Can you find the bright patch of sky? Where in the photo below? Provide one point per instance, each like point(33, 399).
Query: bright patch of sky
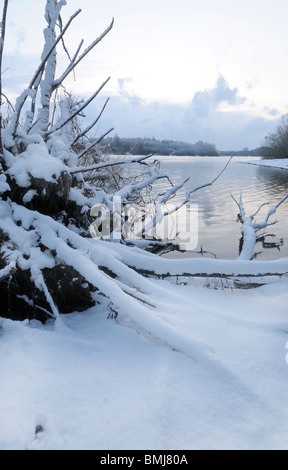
point(182, 70)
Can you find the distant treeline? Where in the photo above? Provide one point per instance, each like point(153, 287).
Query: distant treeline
point(258, 152)
point(144, 146)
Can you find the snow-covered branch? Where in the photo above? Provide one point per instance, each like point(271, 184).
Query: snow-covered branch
point(83, 169)
point(78, 111)
point(159, 216)
point(75, 62)
point(2, 39)
point(49, 48)
point(133, 187)
point(249, 228)
point(87, 129)
point(274, 209)
point(96, 142)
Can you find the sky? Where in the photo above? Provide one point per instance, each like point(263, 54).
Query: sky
point(189, 70)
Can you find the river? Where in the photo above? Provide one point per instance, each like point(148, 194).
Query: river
point(216, 231)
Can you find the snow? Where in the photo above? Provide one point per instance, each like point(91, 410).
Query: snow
point(29, 196)
point(4, 186)
point(275, 162)
point(35, 161)
point(208, 372)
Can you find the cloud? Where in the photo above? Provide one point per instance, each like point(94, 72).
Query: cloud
point(271, 111)
point(222, 92)
point(21, 36)
point(17, 73)
point(202, 119)
point(227, 130)
point(123, 88)
point(208, 100)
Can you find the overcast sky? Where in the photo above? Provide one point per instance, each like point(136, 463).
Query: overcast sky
point(187, 70)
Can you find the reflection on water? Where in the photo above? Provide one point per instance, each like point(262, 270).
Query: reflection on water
point(219, 231)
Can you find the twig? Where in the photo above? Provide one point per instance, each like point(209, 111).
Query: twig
point(159, 215)
point(75, 62)
point(90, 126)
point(73, 115)
point(2, 39)
point(94, 143)
point(39, 72)
point(82, 169)
point(208, 184)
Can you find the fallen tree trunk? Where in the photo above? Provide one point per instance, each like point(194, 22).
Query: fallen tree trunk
point(230, 270)
point(150, 265)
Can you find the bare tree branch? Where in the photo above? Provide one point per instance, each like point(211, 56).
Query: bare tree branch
point(37, 76)
point(8, 101)
point(85, 131)
point(128, 191)
point(207, 184)
point(79, 110)
point(2, 39)
point(82, 169)
point(75, 62)
point(94, 143)
point(157, 219)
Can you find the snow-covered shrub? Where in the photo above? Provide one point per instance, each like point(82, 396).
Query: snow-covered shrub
point(49, 182)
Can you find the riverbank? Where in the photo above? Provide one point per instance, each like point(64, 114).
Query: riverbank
point(274, 163)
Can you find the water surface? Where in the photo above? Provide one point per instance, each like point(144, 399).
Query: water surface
point(219, 231)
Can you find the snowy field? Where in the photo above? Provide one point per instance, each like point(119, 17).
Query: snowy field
point(209, 373)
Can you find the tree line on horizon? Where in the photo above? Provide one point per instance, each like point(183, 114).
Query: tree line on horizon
point(275, 146)
point(167, 147)
point(146, 145)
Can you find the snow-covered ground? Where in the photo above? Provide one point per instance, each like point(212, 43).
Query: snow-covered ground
point(276, 163)
point(211, 373)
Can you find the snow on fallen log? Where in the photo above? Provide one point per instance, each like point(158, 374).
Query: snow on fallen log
point(150, 264)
